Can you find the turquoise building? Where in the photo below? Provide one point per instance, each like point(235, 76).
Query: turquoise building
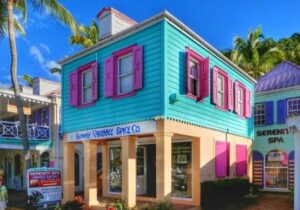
point(167, 109)
point(277, 97)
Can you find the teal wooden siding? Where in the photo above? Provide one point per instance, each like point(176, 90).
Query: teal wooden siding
point(188, 110)
point(146, 104)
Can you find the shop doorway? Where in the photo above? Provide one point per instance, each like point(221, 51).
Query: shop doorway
point(276, 170)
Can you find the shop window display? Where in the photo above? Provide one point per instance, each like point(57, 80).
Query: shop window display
point(182, 170)
point(115, 169)
point(276, 169)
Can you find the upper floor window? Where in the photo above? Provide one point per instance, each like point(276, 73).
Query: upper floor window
point(222, 89)
point(242, 100)
point(259, 114)
point(197, 75)
point(123, 72)
point(84, 85)
point(87, 87)
point(293, 108)
point(44, 116)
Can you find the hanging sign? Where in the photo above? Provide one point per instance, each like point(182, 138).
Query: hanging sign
point(114, 131)
point(13, 109)
point(44, 185)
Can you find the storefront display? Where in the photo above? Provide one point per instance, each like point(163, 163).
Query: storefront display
point(115, 169)
point(276, 169)
point(182, 170)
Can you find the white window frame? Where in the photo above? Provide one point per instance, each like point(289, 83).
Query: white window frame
point(260, 115)
point(240, 102)
point(222, 92)
point(192, 78)
point(86, 87)
point(292, 112)
point(124, 75)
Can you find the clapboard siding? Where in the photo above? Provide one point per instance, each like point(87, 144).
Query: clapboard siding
point(146, 104)
point(202, 113)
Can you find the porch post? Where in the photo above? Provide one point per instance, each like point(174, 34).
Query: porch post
point(163, 165)
point(129, 170)
point(90, 172)
point(297, 171)
point(196, 179)
point(68, 171)
point(104, 169)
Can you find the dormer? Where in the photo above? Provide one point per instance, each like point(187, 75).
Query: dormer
point(112, 21)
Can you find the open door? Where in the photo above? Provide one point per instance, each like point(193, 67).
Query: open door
point(141, 170)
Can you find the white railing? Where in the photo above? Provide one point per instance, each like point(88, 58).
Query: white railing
point(12, 130)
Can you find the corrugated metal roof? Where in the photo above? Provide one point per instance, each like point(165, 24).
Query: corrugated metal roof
point(284, 75)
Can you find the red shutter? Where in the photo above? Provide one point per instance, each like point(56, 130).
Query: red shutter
point(230, 94)
point(215, 85)
point(205, 78)
point(73, 89)
point(95, 81)
point(137, 67)
point(188, 85)
point(108, 77)
point(236, 87)
point(241, 160)
point(221, 159)
point(248, 103)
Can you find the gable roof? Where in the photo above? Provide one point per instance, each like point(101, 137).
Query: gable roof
point(284, 75)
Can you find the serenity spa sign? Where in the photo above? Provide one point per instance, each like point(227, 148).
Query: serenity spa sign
point(274, 138)
point(114, 131)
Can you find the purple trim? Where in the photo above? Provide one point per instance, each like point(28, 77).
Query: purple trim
point(292, 155)
point(256, 155)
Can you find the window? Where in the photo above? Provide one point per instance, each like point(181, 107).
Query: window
point(182, 170)
point(123, 72)
point(259, 114)
point(86, 87)
point(242, 100)
point(83, 90)
point(44, 159)
point(44, 117)
point(221, 92)
point(293, 107)
point(197, 75)
point(115, 169)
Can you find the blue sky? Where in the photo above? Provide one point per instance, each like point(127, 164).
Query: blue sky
point(217, 21)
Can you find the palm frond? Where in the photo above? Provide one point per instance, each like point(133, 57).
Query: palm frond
point(28, 78)
point(21, 6)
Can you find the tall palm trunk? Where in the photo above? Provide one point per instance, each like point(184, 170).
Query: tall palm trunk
point(13, 73)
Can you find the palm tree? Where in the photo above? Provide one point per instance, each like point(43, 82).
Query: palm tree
point(7, 8)
point(249, 54)
point(27, 78)
point(87, 36)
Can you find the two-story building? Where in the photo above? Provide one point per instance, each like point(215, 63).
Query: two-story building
point(41, 105)
point(166, 108)
point(277, 97)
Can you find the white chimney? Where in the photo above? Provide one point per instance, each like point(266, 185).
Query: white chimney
point(112, 21)
point(42, 86)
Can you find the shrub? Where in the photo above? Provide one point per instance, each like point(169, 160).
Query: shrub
point(76, 204)
point(221, 193)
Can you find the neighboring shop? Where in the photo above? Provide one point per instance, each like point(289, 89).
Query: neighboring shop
point(277, 97)
point(166, 110)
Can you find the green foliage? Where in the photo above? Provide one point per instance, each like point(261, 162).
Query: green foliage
point(220, 193)
point(121, 205)
point(28, 79)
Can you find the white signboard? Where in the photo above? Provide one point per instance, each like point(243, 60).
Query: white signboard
point(114, 131)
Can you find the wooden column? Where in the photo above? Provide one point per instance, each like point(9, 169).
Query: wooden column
point(68, 171)
point(196, 179)
point(129, 170)
point(90, 172)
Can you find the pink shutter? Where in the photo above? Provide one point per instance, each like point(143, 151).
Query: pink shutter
point(230, 94)
point(205, 78)
point(95, 81)
point(236, 87)
point(73, 89)
point(137, 67)
point(188, 85)
point(215, 85)
point(221, 159)
point(241, 160)
point(108, 77)
point(248, 103)
point(228, 159)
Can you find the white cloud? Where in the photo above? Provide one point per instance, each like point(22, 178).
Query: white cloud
point(45, 48)
point(37, 54)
